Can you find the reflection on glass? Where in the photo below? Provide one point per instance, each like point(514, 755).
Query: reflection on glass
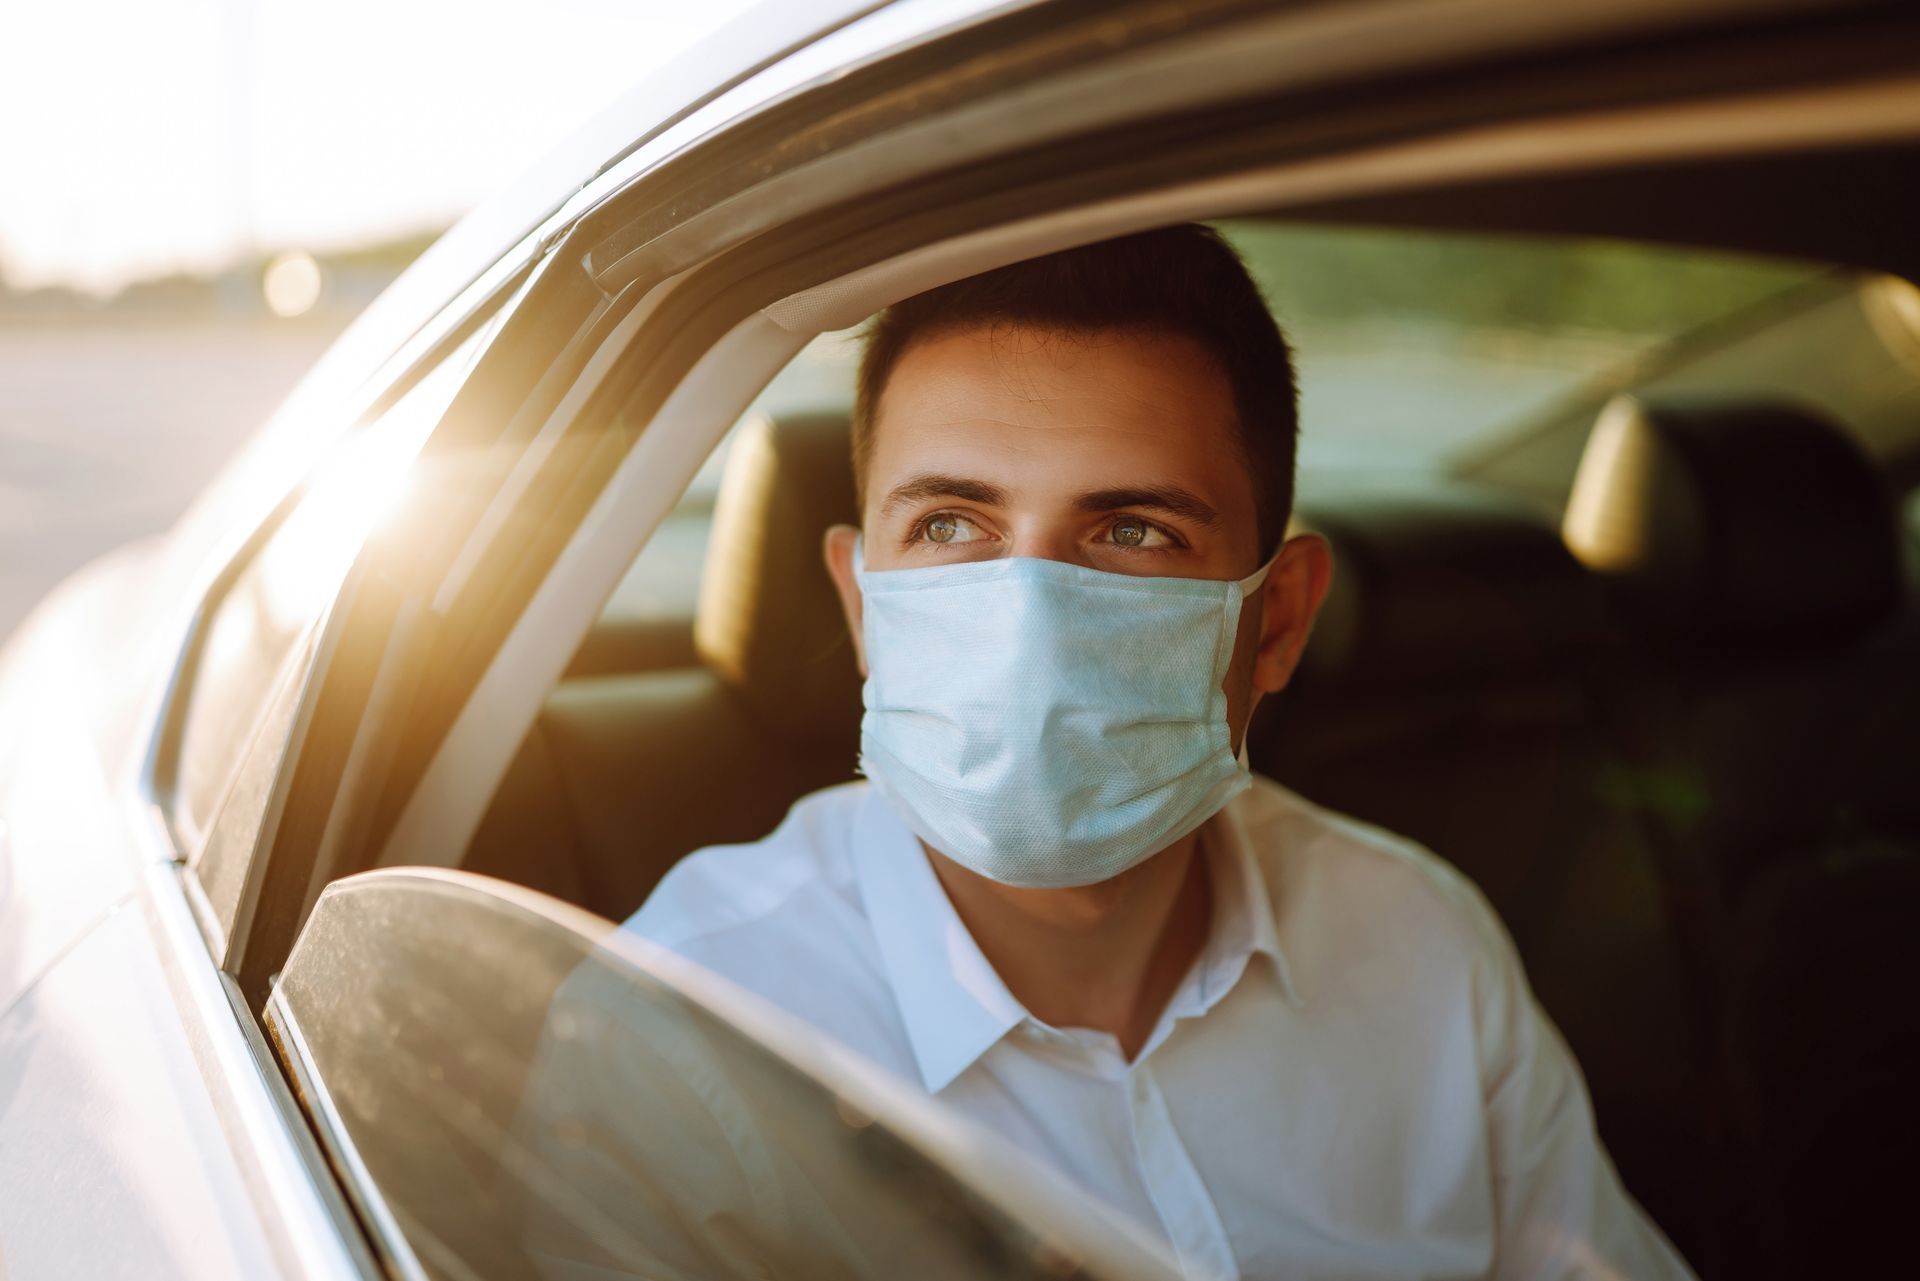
point(528, 1099)
point(284, 590)
point(363, 482)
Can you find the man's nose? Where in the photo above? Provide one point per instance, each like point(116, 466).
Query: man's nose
point(1049, 544)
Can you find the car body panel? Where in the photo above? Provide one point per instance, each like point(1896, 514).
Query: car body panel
point(116, 1161)
point(138, 1135)
point(65, 859)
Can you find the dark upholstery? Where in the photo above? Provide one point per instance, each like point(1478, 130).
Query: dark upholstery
point(1821, 1054)
point(1757, 564)
point(1460, 694)
point(625, 773)
point(1770, 715)
point(1751, 524)
point(770, 624)
point(1436, 583)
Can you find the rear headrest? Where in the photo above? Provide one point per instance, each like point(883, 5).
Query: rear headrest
point(1755, 523)
point(1440, 584)
point(768, 621)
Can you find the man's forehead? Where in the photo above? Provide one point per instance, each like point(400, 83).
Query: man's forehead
point(1104, 409)
point(1021, 361)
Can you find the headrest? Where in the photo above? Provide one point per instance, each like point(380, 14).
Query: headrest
point(1436, 584)
point(1756, 522)
point(769, 622)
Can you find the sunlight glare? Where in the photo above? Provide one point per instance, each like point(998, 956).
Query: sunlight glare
point(363, 481)
point(359, 487)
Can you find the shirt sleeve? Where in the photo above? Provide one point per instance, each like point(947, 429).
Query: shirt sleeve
point(1562, 1210)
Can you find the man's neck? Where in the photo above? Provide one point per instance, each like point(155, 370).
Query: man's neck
point(1107, 956)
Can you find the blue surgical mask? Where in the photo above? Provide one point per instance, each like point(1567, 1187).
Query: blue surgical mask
point(1046, 724)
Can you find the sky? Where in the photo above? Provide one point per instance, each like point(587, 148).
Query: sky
point(145, 137)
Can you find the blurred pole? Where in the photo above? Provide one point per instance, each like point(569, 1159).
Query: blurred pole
point(239, 293)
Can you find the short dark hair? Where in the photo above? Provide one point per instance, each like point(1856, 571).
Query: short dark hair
point(1184, 280)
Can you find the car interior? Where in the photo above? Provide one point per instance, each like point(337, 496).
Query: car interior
point(1656, 697)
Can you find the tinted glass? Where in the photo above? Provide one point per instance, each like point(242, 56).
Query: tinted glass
point(1414, 345)
point(253, 632)
point(520, 1090)
point(220, 866)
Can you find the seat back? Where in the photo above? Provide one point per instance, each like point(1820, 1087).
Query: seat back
point(1456, 692)
point(1755, 558)
point(625, 773)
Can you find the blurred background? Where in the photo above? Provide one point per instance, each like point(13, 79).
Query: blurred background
point(197, 195)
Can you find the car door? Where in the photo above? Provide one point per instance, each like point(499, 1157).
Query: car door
point(143, 1130)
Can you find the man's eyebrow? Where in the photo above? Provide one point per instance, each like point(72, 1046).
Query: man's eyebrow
point(1171, 499)
point(927, 485)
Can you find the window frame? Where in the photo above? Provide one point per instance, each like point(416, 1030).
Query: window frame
point(440, 339)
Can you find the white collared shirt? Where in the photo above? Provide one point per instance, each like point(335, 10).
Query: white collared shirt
point(1353, 1081)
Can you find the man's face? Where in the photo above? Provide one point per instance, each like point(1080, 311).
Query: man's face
point(1118, 451)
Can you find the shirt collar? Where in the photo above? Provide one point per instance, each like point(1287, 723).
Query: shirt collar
point(955, 1006)
point(953, 1003)
point(1243, 920)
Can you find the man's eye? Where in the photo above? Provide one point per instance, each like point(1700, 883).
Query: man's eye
point(947, 528)
point(1131, 531)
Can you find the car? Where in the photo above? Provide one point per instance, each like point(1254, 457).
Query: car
point(317, 812)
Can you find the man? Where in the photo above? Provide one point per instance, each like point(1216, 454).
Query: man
point(1293, 1044)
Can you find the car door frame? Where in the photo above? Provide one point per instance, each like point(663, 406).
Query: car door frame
point(702, 271)
point(699, 268)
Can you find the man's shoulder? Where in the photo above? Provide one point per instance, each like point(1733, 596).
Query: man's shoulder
point(1350, 879)
point(785, 918)
point(803, 869)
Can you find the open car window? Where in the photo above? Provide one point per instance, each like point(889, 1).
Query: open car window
point(515, 1089)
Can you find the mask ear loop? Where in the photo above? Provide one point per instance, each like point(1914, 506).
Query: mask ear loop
point(1248, 586)
point(1257, 579)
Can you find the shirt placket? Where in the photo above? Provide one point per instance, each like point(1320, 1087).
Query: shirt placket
point(1173, 1183)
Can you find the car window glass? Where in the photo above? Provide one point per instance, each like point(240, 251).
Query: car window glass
point(254, 628)
point(1846, 346)
point(520, 1091)
point(1484, 330)
point(219, 866)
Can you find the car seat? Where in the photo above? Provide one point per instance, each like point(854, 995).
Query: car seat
point(1456, 691)
point(623, 774)
point(1754, 556)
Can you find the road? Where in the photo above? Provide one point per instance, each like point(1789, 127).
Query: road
point(109, 427)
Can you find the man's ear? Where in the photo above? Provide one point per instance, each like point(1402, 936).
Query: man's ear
point(1291, 599)
point(838, 549)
